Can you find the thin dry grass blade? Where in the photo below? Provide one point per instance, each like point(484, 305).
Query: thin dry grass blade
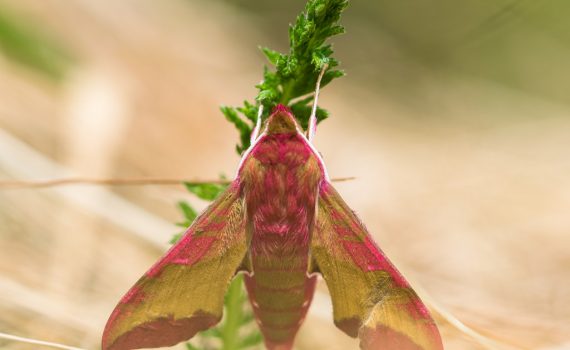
point(143, 181)
point(37, 342)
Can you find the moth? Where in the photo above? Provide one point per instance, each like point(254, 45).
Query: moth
point(281, 223)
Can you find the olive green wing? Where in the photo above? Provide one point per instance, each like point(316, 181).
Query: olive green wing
point(370, 297)
point(183, 293)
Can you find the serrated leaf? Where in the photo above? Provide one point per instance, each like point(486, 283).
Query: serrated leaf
point(266, 95)
point(243, 128)
point(320, 10)
point(207, 191)
point(287, 66)
point(319, 60)
point(334, 30)
point(233, 117)
point(330, 76)
point(296, 73)
point(249, 111)
point(272, 55)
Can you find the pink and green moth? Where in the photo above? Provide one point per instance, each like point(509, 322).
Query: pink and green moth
point(280, 223)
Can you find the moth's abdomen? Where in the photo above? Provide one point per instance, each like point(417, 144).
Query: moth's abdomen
point(280, 294)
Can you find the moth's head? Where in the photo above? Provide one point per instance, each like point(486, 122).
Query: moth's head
point(281, 121)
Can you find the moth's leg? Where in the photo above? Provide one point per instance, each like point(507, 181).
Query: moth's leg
point(313, 119)
point(255, 132)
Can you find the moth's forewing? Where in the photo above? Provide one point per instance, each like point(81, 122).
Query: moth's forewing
point(370, 297)
point(183, 293)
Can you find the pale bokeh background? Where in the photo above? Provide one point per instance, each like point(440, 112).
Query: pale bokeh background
point(454, 117)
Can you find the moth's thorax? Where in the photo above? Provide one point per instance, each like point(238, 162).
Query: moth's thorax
point(280, 180)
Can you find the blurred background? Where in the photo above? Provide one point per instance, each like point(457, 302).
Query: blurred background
point(453, 117)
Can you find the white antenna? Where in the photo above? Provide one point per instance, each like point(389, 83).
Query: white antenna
point(313, 119)
point(255, 131)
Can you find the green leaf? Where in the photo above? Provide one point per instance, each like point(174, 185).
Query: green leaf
point(212, 333)
point(243, 127)
point(249, 111)
point(28, 45)
point(267, 95)
point(272, 55)
point(247, 316)
point(176, 238)
point(191, 347)
point(205, 191)
point(295, 74)
point(303, 112)
point(251, 340)
point(189, 213)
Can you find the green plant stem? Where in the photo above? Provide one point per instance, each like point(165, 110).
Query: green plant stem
point(287, 91)
point(234, 315)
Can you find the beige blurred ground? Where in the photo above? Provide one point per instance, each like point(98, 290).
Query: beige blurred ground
point(464, 182)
